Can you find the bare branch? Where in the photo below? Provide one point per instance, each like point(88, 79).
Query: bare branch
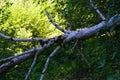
point(21, 39)
point(18, 59)
point(4, 36)
point(47, 62)
point(31, 67)
point(56, 25)
point(83, 56)
point(98, 11)
point(6, 59)
point(25, 55)
point(27, 39)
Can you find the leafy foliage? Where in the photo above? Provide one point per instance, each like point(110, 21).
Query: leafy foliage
point(28, 17)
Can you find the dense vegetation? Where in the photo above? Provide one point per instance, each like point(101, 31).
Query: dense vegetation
point(26, 18)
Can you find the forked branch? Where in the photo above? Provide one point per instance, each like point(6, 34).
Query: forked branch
point(64, 38)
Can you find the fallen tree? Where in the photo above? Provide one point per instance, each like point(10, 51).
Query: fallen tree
point(58, 41)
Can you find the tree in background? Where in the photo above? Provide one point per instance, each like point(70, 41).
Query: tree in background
point(24, 20)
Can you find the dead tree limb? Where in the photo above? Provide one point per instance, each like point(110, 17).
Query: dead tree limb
point(62, 39)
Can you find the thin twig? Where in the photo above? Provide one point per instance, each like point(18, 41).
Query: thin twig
point(31, 67)
point(21, 39)
point(98, 11)
point(56, 25)
point(47, 62)
point(83, 56)
point(75, 45)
